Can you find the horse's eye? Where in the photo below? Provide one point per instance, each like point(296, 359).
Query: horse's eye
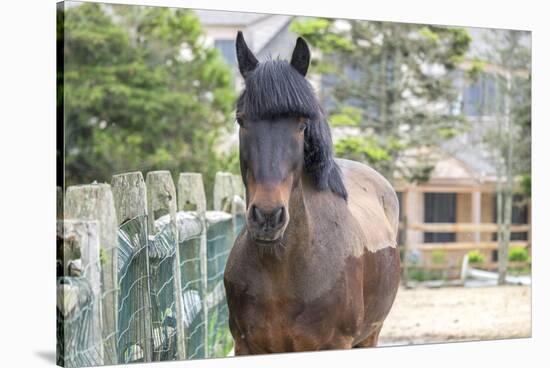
point(302, 126)
point(239, 118)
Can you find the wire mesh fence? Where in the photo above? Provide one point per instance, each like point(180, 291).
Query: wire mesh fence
point(220, 228)
point(134, 324)
point(192, 245)
point(79, 335)
point(162, 250)
point(191, 236)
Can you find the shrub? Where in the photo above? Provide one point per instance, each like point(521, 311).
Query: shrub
point(420, 275)
point(518, 254)
point(438, 257)
point(475, 256)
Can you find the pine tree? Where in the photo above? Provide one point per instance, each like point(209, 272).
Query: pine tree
point(140, 91)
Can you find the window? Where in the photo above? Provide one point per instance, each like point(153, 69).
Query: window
point(439, 207)
point(480, 96)
point(227, 49)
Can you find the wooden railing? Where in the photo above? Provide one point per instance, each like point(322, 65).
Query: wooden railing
point(465, 227)
point(456, 249)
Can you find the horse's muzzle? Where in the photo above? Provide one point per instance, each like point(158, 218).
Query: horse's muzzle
point(266, 225)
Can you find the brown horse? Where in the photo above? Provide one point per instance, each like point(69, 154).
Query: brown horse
point(316, 266)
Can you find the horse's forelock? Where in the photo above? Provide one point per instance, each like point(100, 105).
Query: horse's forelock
point(275, 89)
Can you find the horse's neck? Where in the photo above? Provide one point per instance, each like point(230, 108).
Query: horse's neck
point(305, 256)
point(299, 227)
point(308, 208)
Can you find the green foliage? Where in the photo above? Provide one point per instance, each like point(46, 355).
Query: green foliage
point(526, 184)
point(518, 254)
point(346, 116)
point(361, 149)
point(381, 70)
point(230, 161)
point(438, 256)
point(321, 32)
point(420, 274)
point(476, 69)
point(141, 92)
point(475, 257)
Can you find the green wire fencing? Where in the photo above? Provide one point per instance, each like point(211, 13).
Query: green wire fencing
point(140, 268)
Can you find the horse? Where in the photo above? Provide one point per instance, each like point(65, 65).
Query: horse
point(316, 265)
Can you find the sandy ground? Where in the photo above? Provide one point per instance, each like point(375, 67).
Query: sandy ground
point(424, 315)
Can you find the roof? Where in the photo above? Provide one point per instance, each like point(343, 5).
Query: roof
point(468, 149)
point(229, 18)
point(482, 39)
point(266, 34)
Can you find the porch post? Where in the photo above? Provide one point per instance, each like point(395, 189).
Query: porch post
point(476, 212)
point(414, 210)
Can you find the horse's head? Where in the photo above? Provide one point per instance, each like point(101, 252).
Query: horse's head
point(282, 134)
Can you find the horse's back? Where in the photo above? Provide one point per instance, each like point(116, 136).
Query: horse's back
point(373, 203)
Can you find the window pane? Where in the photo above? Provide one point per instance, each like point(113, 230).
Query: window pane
point(227, 49)
point(439, 207)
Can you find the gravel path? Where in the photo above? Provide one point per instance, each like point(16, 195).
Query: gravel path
point(458, 314)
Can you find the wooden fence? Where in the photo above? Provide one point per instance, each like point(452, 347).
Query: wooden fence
point(450, 254)
point(140, 268)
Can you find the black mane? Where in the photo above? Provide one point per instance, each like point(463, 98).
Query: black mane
point(276, 89)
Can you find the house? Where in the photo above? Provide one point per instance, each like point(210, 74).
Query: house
point(265, 34)
point(454, 212)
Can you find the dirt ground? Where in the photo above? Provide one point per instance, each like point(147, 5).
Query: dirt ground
point(424, 315)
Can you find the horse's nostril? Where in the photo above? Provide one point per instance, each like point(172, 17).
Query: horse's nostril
point(279, 216)
point(268, 220)
point(257, 215)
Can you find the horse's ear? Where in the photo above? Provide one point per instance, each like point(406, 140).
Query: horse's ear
point(246, 59)
point(300, 56)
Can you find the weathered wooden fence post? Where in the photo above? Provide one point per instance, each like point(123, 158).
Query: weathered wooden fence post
point(238, 186)
point(161, 200)
point(223, 191)
point(130, 197)
point(238, 204)
point(229, 196)
point(79, 248)
point(191, 196)
point(95, 202)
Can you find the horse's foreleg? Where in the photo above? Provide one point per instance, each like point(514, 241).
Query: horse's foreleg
point(342, 342)
point(371, 340)
point(241, 348)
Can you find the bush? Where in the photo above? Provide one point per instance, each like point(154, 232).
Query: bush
point(518, 254)
point(475, 256)
point(438, 257)
point(420, 275)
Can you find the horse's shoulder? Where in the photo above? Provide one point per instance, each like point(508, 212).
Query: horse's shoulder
point(237, 260)
point(373, 202)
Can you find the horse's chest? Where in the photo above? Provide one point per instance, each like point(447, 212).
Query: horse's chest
point(279, 318)
point(281, 324)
